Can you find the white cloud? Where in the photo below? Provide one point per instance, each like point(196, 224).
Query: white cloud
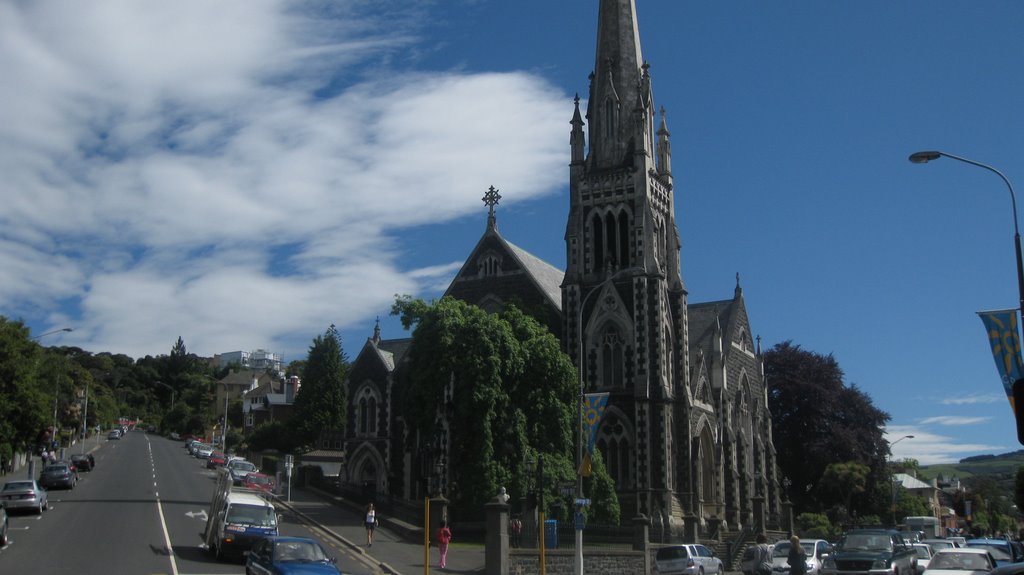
point(929, 448)
point(954, 420)
point(975, 398)
point(169, 167)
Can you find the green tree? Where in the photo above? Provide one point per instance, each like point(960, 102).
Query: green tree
point(817, 420)
point(321, 405)
point(23, 404)
point(816, 526)
point(507, 394)
point(845, 480)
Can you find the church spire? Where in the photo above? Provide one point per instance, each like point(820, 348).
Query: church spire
point(617, 86)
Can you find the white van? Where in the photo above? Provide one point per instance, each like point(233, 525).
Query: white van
point(238, 519)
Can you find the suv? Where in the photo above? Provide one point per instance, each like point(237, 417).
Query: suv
point(687, 560)
point(871, 552)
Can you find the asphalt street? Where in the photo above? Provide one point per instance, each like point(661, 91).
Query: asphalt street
point(141, 511)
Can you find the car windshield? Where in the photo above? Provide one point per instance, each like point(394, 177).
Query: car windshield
point(863, 542)
point(55, 469)
point(960, 562)
point(257, 515)
point(18, 486)
point(922, 551)
point(261, 479)
point(298, 552)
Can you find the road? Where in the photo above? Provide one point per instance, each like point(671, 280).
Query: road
point(141, 511)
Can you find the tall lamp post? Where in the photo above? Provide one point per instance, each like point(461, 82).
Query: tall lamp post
point(894, 478)
point(578, 560)
point(1018, 386)
point(56, 386)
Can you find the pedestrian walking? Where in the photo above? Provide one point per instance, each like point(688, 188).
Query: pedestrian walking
point(444, 536)
point(797, 558)
point(515, 528)
point(762, 556)
point(371, 523)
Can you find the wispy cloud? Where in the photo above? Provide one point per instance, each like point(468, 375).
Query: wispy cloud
point(974, 398)
point(230, 172)
point(928, 447)
point(954, 420)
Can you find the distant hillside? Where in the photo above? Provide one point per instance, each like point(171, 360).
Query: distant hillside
point(999, 467)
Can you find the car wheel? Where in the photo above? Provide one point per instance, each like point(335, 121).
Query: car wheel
point(700, 571)
point(3, 538)
point(39, 511)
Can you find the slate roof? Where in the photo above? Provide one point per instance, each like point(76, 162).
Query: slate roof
point(548, 277)
point(392, 351)
point(702, 318)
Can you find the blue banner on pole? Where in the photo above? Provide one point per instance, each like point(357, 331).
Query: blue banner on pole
point(1004, 338)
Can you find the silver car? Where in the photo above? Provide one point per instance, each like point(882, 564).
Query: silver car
point(24, 494)
point(813, 548)
point(687, 560)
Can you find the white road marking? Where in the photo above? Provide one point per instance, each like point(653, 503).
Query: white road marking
point(163, 524)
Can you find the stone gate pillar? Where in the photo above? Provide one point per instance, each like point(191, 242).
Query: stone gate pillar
point(496, 561)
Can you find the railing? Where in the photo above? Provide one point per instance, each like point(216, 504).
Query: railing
point(741, 538)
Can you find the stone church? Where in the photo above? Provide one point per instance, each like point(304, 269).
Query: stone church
point(687, 433)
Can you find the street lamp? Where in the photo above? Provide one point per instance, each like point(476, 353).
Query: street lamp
point(1018, 386)
point(578, 560)
point(63, 329)
point(894, 481)
point(168, 387)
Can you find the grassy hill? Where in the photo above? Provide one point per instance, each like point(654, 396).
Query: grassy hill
point(998, 467)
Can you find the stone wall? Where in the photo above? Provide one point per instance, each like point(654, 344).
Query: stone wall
point(560, 562)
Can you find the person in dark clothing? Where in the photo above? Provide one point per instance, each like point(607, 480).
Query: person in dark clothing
point(797, 559)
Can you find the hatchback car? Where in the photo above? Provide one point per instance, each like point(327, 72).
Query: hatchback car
point(114, 434)
point(687, 560)
point(283, 555)
point(259, 481)
point(83, 462)
point(58, 475)
point(24, 494)
point(815, 549)
point(239, 468)
point(216, 460)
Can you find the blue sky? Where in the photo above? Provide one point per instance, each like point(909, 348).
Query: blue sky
point(244, 174)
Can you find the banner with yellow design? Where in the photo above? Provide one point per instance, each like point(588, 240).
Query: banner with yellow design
point(594, 405)
point(1004, 338)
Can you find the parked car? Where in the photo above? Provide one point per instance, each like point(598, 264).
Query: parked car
point(175, 436)
point(203, 450)
point(687, 560)
point(815, 549)
point(24, 494)
point(83, 462)
point(961, 561)
point(114, 434)
point(1010, 569)
point(749, 564)
point(259, 481)
point(58, 474)
point(4, 524)
point(924, 555)
point(239, 468)
point(216, 459)
point(283, 555)
point(880, 551)
point(941, 543)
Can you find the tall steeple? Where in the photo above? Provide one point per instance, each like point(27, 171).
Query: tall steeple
point(619, 90)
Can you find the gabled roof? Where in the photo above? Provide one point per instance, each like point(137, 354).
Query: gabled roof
point(547, 277)
point(911, 482)
point(392, 351)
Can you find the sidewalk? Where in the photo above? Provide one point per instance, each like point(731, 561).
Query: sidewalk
point(392, 553)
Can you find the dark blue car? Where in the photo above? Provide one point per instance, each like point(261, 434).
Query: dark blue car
point(280, 555)
point(1004, 550)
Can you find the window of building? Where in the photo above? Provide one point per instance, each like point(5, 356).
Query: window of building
point(366, 412)
point(613, 440)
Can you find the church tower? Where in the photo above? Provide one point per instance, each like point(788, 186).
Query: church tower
point(623, 297)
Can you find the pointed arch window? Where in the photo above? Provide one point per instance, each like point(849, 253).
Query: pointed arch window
point(488, 265)
point(610, 232)
point(612, 359)
point(614, 441)
point(366, 411)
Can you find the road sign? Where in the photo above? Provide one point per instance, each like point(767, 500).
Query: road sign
point(568, 491)
point(583, 502)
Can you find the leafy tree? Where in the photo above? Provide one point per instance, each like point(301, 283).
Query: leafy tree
point(816, 526)
point(321, 404)
point(23, 404)
point(845, 480)
point(818, 420)
point(506, 392)
point(909, 505)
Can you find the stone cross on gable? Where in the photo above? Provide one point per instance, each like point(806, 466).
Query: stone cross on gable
point(491, 197)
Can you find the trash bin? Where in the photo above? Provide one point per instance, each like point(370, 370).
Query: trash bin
point(551, 533)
